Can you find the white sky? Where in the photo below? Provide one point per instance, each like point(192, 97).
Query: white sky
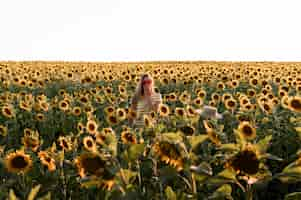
point(136, 30)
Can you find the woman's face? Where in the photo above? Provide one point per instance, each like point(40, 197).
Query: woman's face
point(147, 85)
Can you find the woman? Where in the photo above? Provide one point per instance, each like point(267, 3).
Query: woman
point(145, 100)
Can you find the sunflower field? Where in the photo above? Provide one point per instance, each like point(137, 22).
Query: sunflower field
point(64, 131)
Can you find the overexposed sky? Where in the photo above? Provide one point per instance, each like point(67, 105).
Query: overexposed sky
point(145, 30)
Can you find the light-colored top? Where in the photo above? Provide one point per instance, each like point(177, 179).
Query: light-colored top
point(144, 109)
point(209, 112)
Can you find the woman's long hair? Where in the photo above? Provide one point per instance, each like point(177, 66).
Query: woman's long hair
point(139, 89)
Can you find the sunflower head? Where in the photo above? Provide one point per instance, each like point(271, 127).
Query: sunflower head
point(294, 104)
point(245, 161)
point(170, 153)
point(230, 104)
point(8, 111)
point(47, 160)
point(121, 114)
point(76, 111)
point(63, 105)
point(247, 130)
point(65, 143)
point(163, 110)
point(187, 130)
point(31, 141)
point(112, 120)
point(128, 138)
point(94, 166)
point(180, 112)
point(89, 144)
point(91, 127)
point(213, 136)
point(18, 162)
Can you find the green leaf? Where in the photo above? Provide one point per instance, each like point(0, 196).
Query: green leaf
point(263, 144)
point(46, 197)
point(228, 173)
point(271, 157)
point(33, 193)
point(135, 151)
point(170, 194)
point(128, 174)
point(223, 192)
point(229, 147)
point(196, 140)
point(174, 137)
point(12, 195)
point(293, 196)
point(225, 176)
point(203, 168)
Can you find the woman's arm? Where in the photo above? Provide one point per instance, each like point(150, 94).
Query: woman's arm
point(157, 103)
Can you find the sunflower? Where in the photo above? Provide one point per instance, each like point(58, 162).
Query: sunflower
point(84, 99)
point(254, 82)
point(198, 102)
point(47, 160)
point(180, 112)
point(76, 111)
point(122, 90)
point(172, 97)
point(266, 107)
point(244, 101)
point(40, 117)
point(25, 106)
point(190, 111)
point(230, 104)
point(80, 127)
point(128, 138)
point(282, 93)
point(163, 110)
point(211, 133)
point(89, 143)
point(8, 111)
point(169, 153)
point(90, 163)
point(91, 127)
point(121, 114)
point(251, 92)
point(234, 84)
point(247, 130)
point(226, 96)
point(44, 106)
point(63, 105)
point(132, 114)
point(284, 101)
point(148, 121)
point(220, 86)
point(112, 120)
point(30, 141)
point(184, 97)
point(3, 130)
point(109, 110)
point(65, 143)
point(100, 138)
point(88, 108)
point(18, 162)
point(187, 130)
point(245, 162)
point(202, 94)
point(215, 97)
point(294, 104)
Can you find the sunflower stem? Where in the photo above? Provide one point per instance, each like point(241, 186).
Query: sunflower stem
point(139, 173)
point(194, 188)
point(249, 195)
